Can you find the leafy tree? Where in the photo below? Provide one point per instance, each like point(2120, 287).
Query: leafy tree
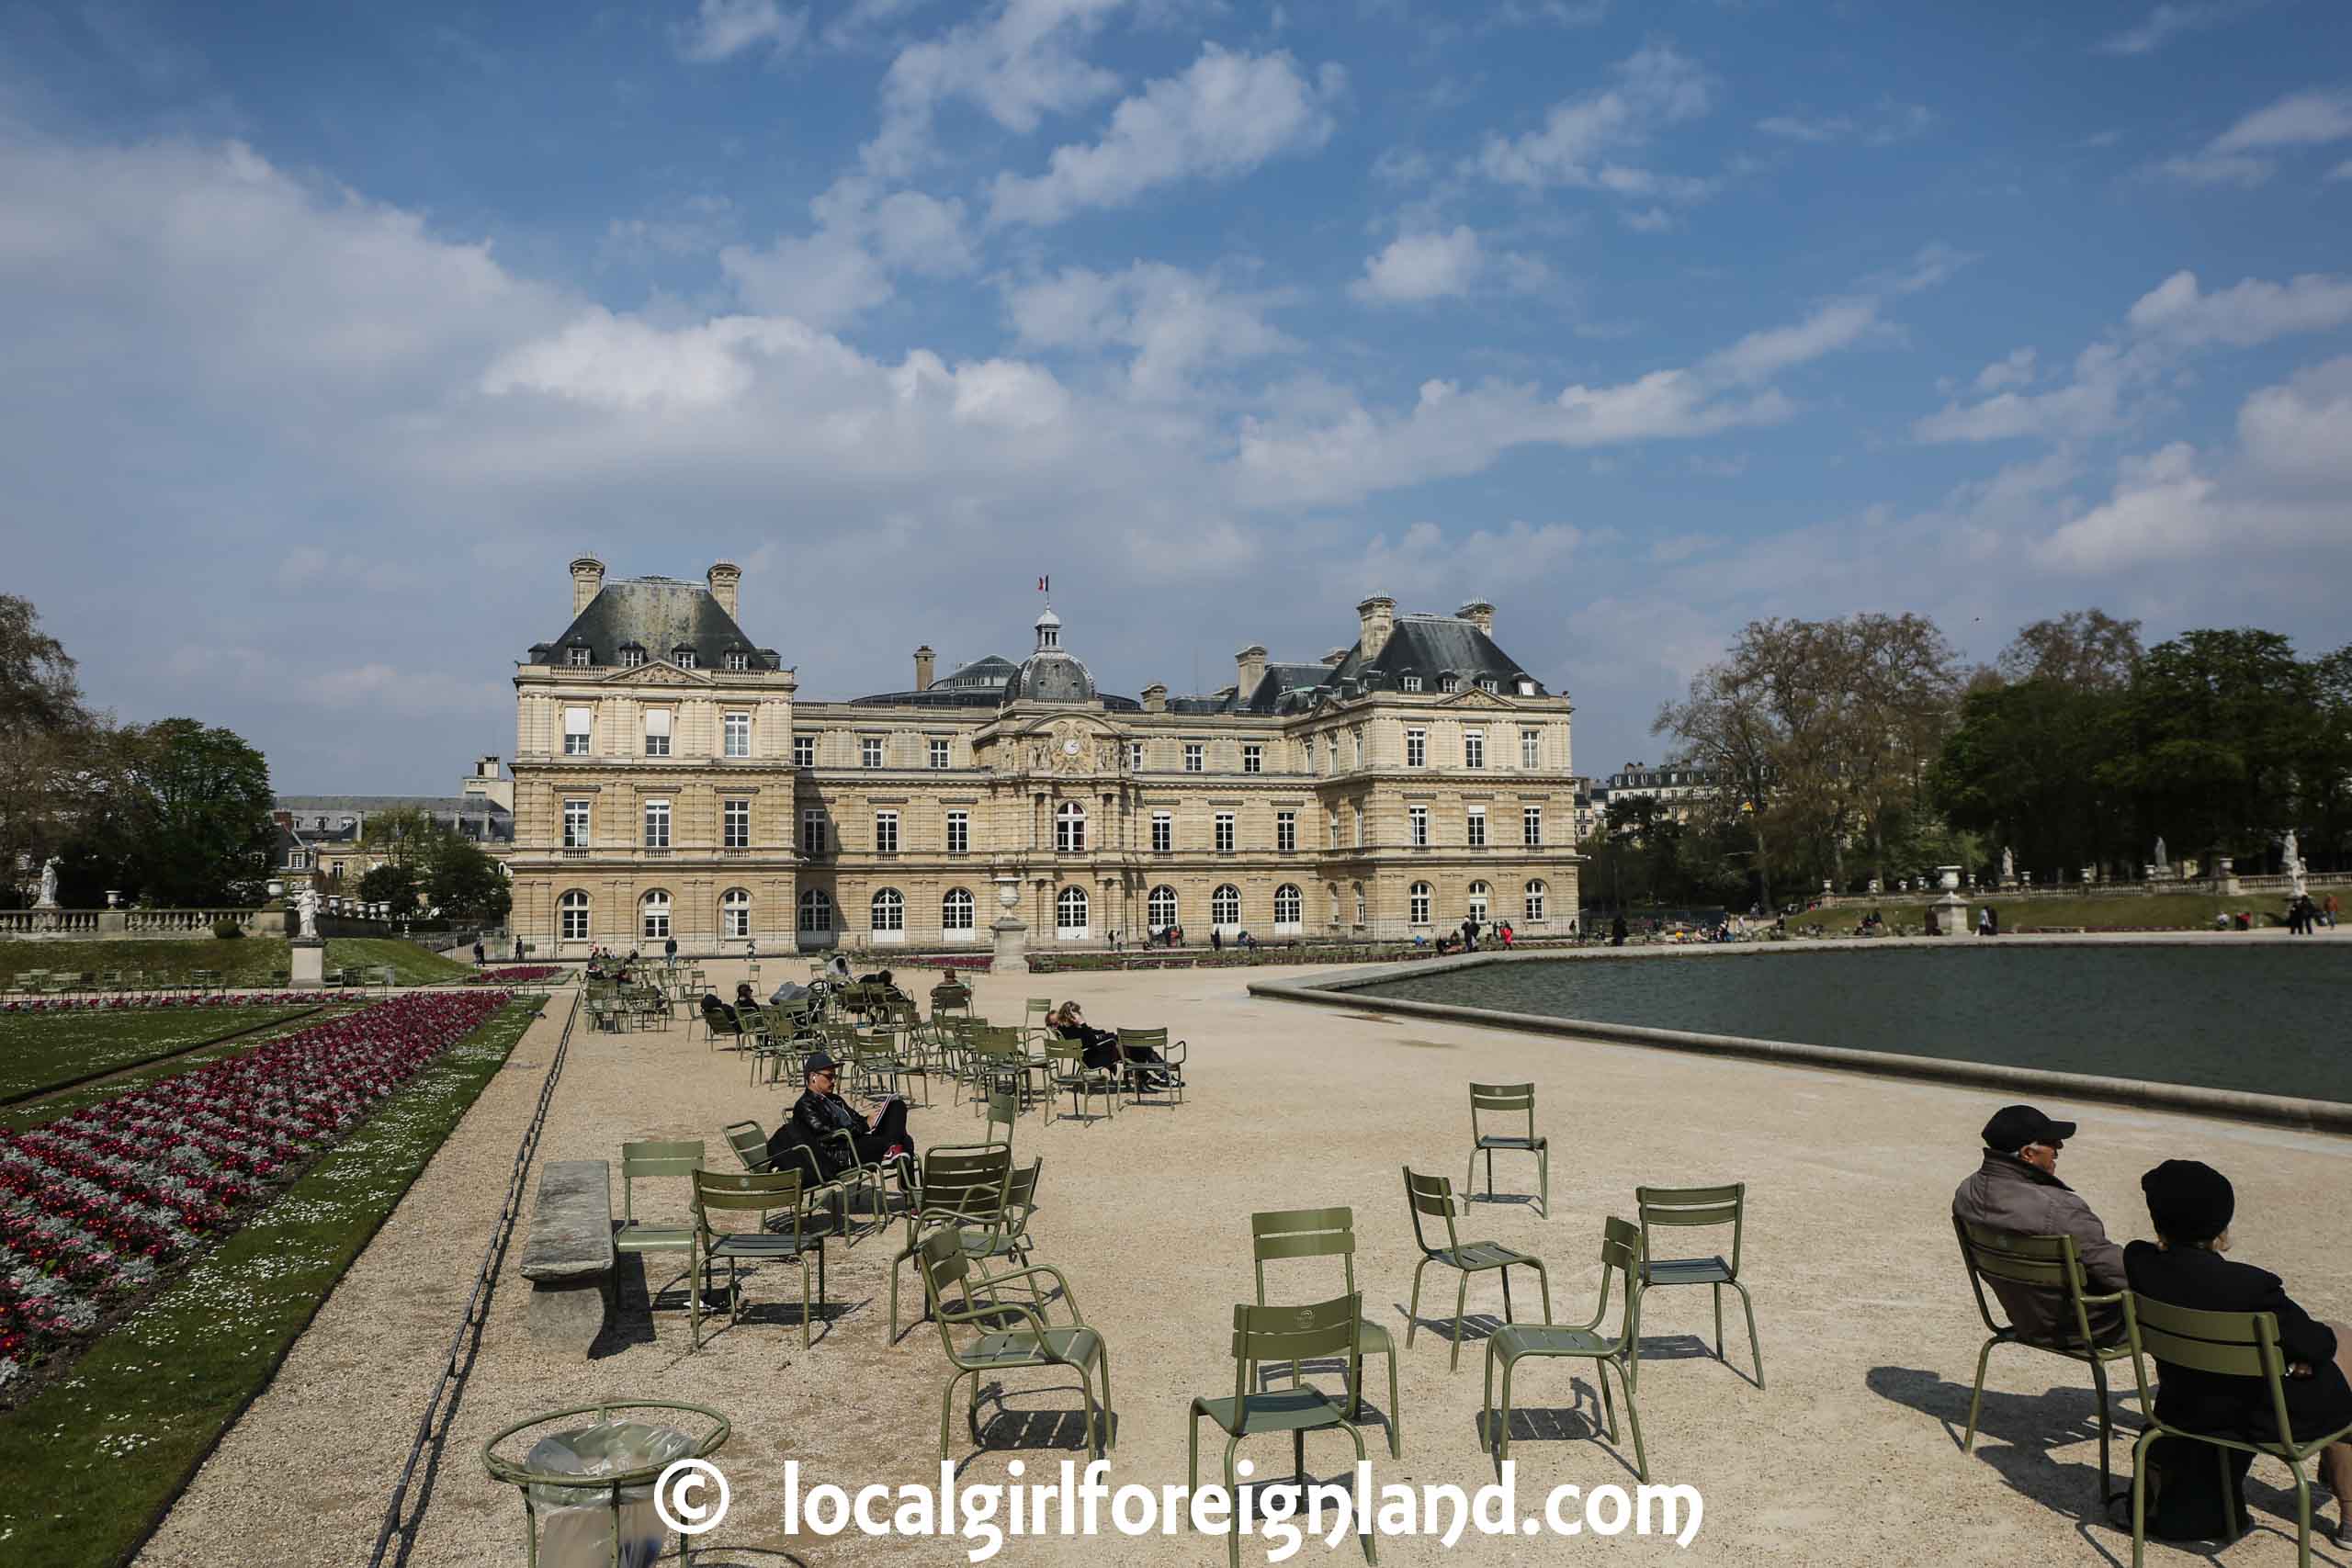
point(199, 802)
point(2024, 769)
point(392, 884)
point(467, 885)
point(45, 741)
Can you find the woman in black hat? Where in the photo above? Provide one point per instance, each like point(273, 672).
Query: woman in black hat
point(2191, 1205)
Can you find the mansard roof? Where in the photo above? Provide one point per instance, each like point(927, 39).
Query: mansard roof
point(1430, 647)
point(659, 615)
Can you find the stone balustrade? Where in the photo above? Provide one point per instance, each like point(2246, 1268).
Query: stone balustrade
point(148, 925)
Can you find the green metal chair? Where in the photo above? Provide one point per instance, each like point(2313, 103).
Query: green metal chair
point(1279, 1333)
point(1620, 1254)
point(1664, 1206)
point(750, 1142)
point(650, 1160)
point(2234, 1344)
point(1433, 1197)
point(2043, 1263)
point(1132, 1073)
point(1031, 1341)
point(1508, 1099)
point(956, 1186)
point(1282, 1233)
point(1069, 1072)
point(761, 1194)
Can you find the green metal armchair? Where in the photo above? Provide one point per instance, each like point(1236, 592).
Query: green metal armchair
point(1007, 1335)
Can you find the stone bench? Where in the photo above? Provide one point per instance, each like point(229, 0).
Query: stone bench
point(569, 1259)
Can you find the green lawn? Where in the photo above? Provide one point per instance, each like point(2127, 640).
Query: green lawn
point(2096, 911)
point(246, 961)
point(40, 1051)
point(94, 1460)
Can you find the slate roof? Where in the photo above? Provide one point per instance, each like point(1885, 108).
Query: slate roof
point(1431, 646)
point(657, 615)
point(982, 684)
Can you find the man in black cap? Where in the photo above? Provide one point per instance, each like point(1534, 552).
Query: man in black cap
point(2016, 1189)
point(2191, 1205)
point(820, 1114)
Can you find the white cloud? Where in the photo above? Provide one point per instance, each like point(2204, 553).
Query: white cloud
point(2160, 509)
point(2248, 312)
point(2298, 120)
point(722, 30)
point(841, 268)
point(1223, 116)
point(1888, 123)
point(2301, 433)
point(1656, 88)
point(1019, 63)
point(1416, 267)
point(2164, 24)
point(2342, 171)
point(1649, 220)
point(1175, 322)
point(1763, 355)
point(2015, 370)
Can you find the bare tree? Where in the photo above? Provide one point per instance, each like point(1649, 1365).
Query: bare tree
point(2089, 649)
point(1727, 729)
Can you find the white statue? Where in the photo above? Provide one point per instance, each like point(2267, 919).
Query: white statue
point(47, 884)
point(2008, 866)
point(306, 910)
point(2294, 865)
point(2163, 863)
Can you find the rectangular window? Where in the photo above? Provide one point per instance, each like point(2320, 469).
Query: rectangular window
point(1331, 827)
point(632, 657)
point(1416, 747)
point(1253, 759)
point(1163, 833)
point(1418, 819)
point(1330, 754)
point(1531, 821)
point(1134, 756)
point(684, 658)
point(869, 751)
point(885, 832)
point(1358, 809)
point(1473, 748)
point(1224, 832)
point(959, 832)
point(1477, 828)
point(804, 750)
point(657, 823)
point(1530, 748)
point(1412, 682)
point(735, 824)
point(578, 658)
point(736, 731)
point(737, 660)
point(812, 829)
point(1285, 831)
point(657, 732)
point(939, 754)
point(297, 859)
point(576, 722)
point(1195, 757)
point(575, 824)
point(1486, 683)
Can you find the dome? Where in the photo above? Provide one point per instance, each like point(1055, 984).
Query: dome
point(1051, 676)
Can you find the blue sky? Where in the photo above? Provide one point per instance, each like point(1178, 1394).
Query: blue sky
point(333, 332)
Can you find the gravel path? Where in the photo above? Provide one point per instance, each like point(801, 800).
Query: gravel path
point(1849, 1456)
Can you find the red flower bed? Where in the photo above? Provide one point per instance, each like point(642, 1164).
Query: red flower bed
point(94, 1203)
point(519, 976)
point(160, 1000)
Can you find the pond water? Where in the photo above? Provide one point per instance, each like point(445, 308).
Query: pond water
point(2273, 1019)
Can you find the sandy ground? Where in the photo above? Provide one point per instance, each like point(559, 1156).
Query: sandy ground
point(1849, 1455)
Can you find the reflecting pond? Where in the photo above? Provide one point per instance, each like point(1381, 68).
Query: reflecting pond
point(2274, 1018)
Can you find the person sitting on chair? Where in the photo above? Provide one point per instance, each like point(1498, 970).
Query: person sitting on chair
point(821, 1112)
point(717, 1017)
point(2191, 1205)
point(1101, 1049)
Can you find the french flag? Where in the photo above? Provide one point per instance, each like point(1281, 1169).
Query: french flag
point(1045, 585)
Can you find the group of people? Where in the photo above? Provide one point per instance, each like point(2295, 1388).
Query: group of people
point(2016, 1188)
point(2305, 916)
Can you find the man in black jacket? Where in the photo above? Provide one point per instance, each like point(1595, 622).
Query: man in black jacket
point(2191, 1205)
point(820, 1114)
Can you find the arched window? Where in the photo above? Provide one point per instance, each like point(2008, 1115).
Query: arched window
point(1479, 895)
point(1159, 910)
point(654, 910)
point(816, 910)
point(1360, 904)
point(1417, 903)
point(1069, 829)
point(889, 911)
point(1070, 913)
point(1535, 891)
point(1225, 905)
point(1290, 908)
point(572, 912)
point(735, 914)
point(955, 911)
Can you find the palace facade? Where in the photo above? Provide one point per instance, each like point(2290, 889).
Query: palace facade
point(669, 781)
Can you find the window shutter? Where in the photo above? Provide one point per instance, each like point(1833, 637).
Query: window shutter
point(657, 721)
point(575, 721)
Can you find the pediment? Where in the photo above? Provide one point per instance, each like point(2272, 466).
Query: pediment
point(1473, 697)
point(656, 672)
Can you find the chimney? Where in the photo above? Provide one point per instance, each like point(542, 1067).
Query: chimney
point(1378, 616)
point(1251, 663)
point(923, 656)
point(1479, 614)
point(1336, 657)
point(587, 582)
point(487, 768)
point(1155, 698)
point(723, 578)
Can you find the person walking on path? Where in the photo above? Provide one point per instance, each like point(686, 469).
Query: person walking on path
point(481, 954)
point(670, 950)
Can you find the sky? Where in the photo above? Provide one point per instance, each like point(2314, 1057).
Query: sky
point(330, 334)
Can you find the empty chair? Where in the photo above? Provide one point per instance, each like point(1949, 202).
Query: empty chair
point(1280, 1235)
point(1033, 1339)
point(1514, 1342)
point(780, 1192)
point(1508, 1104)
point(653, 1160)
point(1433, 1197)
point(1686, 1206)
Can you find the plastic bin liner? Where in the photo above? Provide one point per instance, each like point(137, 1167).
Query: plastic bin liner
point(576, 1524)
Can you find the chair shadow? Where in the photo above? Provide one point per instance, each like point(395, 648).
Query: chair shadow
point(1577, 1423)
point(1694, 1348)
point(1476, 1326)
point(1273, 1376)
point(2017, 1432)
point(1510, 1200)
point(1008, 1430)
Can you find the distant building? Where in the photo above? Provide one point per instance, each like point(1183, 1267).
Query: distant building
point(327, 835)
point(669, 781)
point(1680, 789)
